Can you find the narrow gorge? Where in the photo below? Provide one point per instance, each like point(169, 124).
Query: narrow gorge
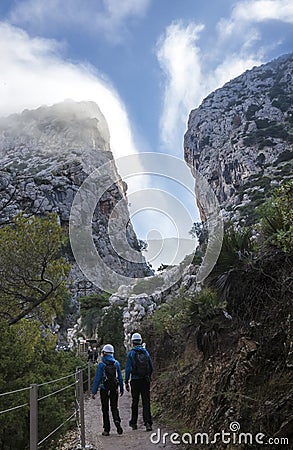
point(222, 347)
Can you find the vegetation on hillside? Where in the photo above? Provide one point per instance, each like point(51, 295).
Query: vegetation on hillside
point(32, 286)
point(226, 350)
point(101, 322)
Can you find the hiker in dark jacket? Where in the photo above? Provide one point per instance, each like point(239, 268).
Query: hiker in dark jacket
point(108, 388)
point(140, 381)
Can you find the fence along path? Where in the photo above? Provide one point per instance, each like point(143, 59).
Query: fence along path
point(88, 417)
point(78, 414)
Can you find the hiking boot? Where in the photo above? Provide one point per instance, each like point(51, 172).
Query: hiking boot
point(119, 428)
point(105, 433)
point(148, 427)
point(133, 426)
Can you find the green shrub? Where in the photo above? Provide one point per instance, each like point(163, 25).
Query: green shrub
point(277, 218)
point(204, 303)
point(167, 320)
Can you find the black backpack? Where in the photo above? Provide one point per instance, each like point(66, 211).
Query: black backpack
point(141, 364)
point(110, 380)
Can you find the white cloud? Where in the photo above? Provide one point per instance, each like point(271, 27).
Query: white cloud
point(179, 58)
point(248, 12)
point(93, 16)
point(188, 80)
point(191, 71)
point(33, 74)
point(261, 10)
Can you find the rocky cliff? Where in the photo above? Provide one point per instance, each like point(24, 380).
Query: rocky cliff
point(229, 364)
point(46, 154)
point(241, 137)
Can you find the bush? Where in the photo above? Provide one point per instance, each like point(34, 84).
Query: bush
point(277, 218)
point(204, 304)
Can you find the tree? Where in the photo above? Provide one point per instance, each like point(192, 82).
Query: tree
point(91, 312)
point(32, 271)
point(199, 231)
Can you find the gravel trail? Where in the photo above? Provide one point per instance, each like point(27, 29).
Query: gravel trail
point(130, 439)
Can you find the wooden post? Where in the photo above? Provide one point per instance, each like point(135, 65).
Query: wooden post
point(34, 417)
point(81, 408)
point(89, 377)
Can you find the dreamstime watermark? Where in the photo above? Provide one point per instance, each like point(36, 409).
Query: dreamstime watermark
point(234, 436)
point(99, 188)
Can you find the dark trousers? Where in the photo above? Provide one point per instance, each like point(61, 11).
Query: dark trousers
point(141, 387)
point(111, 397)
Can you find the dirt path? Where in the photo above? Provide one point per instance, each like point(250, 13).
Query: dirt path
point(130, 439)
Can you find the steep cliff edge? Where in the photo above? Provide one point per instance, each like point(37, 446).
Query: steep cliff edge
point(241, 137)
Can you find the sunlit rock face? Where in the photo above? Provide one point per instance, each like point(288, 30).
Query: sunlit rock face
point(240, 138)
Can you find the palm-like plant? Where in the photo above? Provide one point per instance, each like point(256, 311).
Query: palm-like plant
point(277, 218)
point(236, 253)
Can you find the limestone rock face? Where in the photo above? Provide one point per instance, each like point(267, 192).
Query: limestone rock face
point(46, 154)
point(240, 138)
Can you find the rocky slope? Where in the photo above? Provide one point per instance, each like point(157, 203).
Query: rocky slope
point(46, 154)
point(230, 369)
point(241, 137)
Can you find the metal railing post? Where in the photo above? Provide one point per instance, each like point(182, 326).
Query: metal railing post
point(89, 377)
point(81, 408)
point(34, 417)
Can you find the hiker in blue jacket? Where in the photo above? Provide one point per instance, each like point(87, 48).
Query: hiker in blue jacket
point(139, 365)
point(108, 377)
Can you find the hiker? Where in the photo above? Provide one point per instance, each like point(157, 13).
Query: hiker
point(108, 377)
point(90, 354)
point(140, 366)
point(95, 355)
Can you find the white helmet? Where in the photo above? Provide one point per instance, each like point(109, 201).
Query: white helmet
point(136, 337)
point(108, 348)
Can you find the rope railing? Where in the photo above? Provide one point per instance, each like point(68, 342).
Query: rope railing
point(78, 413)
point(13, 408)
point(34, 400)
point(57, 428)
point(14, 392)
point(55, 381)
point(56, 392)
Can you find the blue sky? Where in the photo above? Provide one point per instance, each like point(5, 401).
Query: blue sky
point(147, 63)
